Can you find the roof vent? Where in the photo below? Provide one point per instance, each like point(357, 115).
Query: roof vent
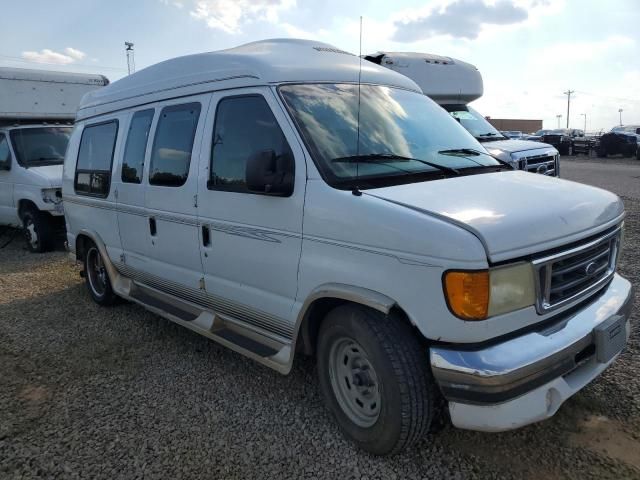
point(332, 50)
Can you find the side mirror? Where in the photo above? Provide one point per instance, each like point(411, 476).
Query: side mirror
point(270, 174)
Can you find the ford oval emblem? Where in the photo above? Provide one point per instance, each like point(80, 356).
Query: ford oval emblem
point(590, 269)
point(542, 169)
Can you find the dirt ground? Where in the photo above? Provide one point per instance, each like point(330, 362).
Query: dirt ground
point(91, 392)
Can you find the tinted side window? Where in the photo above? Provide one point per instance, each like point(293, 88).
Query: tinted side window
point(136, 146)
point(171, 154)
point(95, 157)
point(243, 127)
point(5, 154)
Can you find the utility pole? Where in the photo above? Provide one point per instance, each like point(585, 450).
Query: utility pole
point(131, 62)
point(585, 121)
point(568, 94)
point(559, 116)
point(620, 112)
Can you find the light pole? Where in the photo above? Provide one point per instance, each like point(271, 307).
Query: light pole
point(131, 62)
point(620, 112)
point(559, 116)
point(585, 121)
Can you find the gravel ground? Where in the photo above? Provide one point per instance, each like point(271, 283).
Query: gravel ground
point(88, 392)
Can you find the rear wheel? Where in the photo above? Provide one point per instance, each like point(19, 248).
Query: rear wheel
point(97, 277)
point(375, 378)
point(38, 231)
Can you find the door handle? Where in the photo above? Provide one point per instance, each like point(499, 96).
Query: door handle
point(152, 226)
point(206, 236)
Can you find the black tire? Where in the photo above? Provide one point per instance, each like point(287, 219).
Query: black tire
point(638, 153)
point(97, 278)
point(601, 152)
point(404, 385)
point(38, 230)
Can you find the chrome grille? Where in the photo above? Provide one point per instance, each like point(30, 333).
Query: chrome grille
point(570, 275)
point(545, 164)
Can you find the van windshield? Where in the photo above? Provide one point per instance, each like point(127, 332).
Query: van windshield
point(474, 122)
point(401, 136)
point(39, 146)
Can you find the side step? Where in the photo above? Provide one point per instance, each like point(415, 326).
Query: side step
point(271, 351)
point(171, 309)
point(247, 343)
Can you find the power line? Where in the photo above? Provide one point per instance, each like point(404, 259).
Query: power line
point(624, 99)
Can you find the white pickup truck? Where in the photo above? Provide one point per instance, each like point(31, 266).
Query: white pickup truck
point(453, 84)
point(37, 109)
point(263, 197)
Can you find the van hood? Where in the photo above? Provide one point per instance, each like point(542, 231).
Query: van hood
point(513, 213)
point(50, 176)
point(512, 146)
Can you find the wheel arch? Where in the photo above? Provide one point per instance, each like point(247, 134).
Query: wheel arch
point(25, 204)
point(329, 296)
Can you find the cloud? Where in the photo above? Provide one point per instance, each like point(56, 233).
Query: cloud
point(230, 15)
point(459, 19)
point(46, 55)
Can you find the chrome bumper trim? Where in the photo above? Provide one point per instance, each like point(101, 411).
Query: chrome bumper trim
point(506, 370)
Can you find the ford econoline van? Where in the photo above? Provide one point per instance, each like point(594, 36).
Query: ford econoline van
point(279, 200)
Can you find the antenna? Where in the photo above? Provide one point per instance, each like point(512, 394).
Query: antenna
point(131, 62)
point(356, 191)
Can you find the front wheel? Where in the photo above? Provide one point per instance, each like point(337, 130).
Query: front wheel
point(375, 378)
point(97, 278)
point(38, 231)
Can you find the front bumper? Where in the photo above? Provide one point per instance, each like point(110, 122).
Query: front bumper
point(525, 379)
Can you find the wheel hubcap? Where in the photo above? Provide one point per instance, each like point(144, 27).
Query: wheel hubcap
point(354, 382)
point(31, 234)
point(96, 272)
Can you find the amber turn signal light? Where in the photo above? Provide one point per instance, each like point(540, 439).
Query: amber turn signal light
point(468, 293)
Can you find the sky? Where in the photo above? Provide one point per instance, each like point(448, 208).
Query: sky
point(528, 51)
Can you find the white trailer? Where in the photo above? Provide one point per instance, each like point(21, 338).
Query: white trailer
point(453, 84)
point(37, 109)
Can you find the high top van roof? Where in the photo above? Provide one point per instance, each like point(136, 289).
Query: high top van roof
point(446, 80)
point(265, 62)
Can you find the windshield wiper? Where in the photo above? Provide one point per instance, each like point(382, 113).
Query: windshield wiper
point(386, 157)
point(470, 151)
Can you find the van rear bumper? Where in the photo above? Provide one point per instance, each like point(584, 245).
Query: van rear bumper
point(525, 379)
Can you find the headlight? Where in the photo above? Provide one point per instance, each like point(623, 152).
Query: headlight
point(480, 294)
point(52, 195)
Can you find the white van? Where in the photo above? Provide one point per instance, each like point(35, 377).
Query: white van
point(263, 197)
point(37, 109)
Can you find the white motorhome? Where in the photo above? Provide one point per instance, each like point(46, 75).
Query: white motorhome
point(265, 198)
point(37, 109)
point(454, 84)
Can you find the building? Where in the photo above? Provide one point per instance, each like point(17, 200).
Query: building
point(522, 125)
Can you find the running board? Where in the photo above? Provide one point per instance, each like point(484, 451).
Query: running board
point(170, 308)
point(230, 332)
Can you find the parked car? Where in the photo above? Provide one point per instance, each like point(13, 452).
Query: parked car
point(265, 198)
point(513, 134)
point(37, 108)
point(536, 136)
point(623, 141)
point(562, 139)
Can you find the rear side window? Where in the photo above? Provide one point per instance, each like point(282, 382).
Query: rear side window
point(5, 155)
point(95, 157)
point(136, 146)
point(243, 127)
point(173, 143)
